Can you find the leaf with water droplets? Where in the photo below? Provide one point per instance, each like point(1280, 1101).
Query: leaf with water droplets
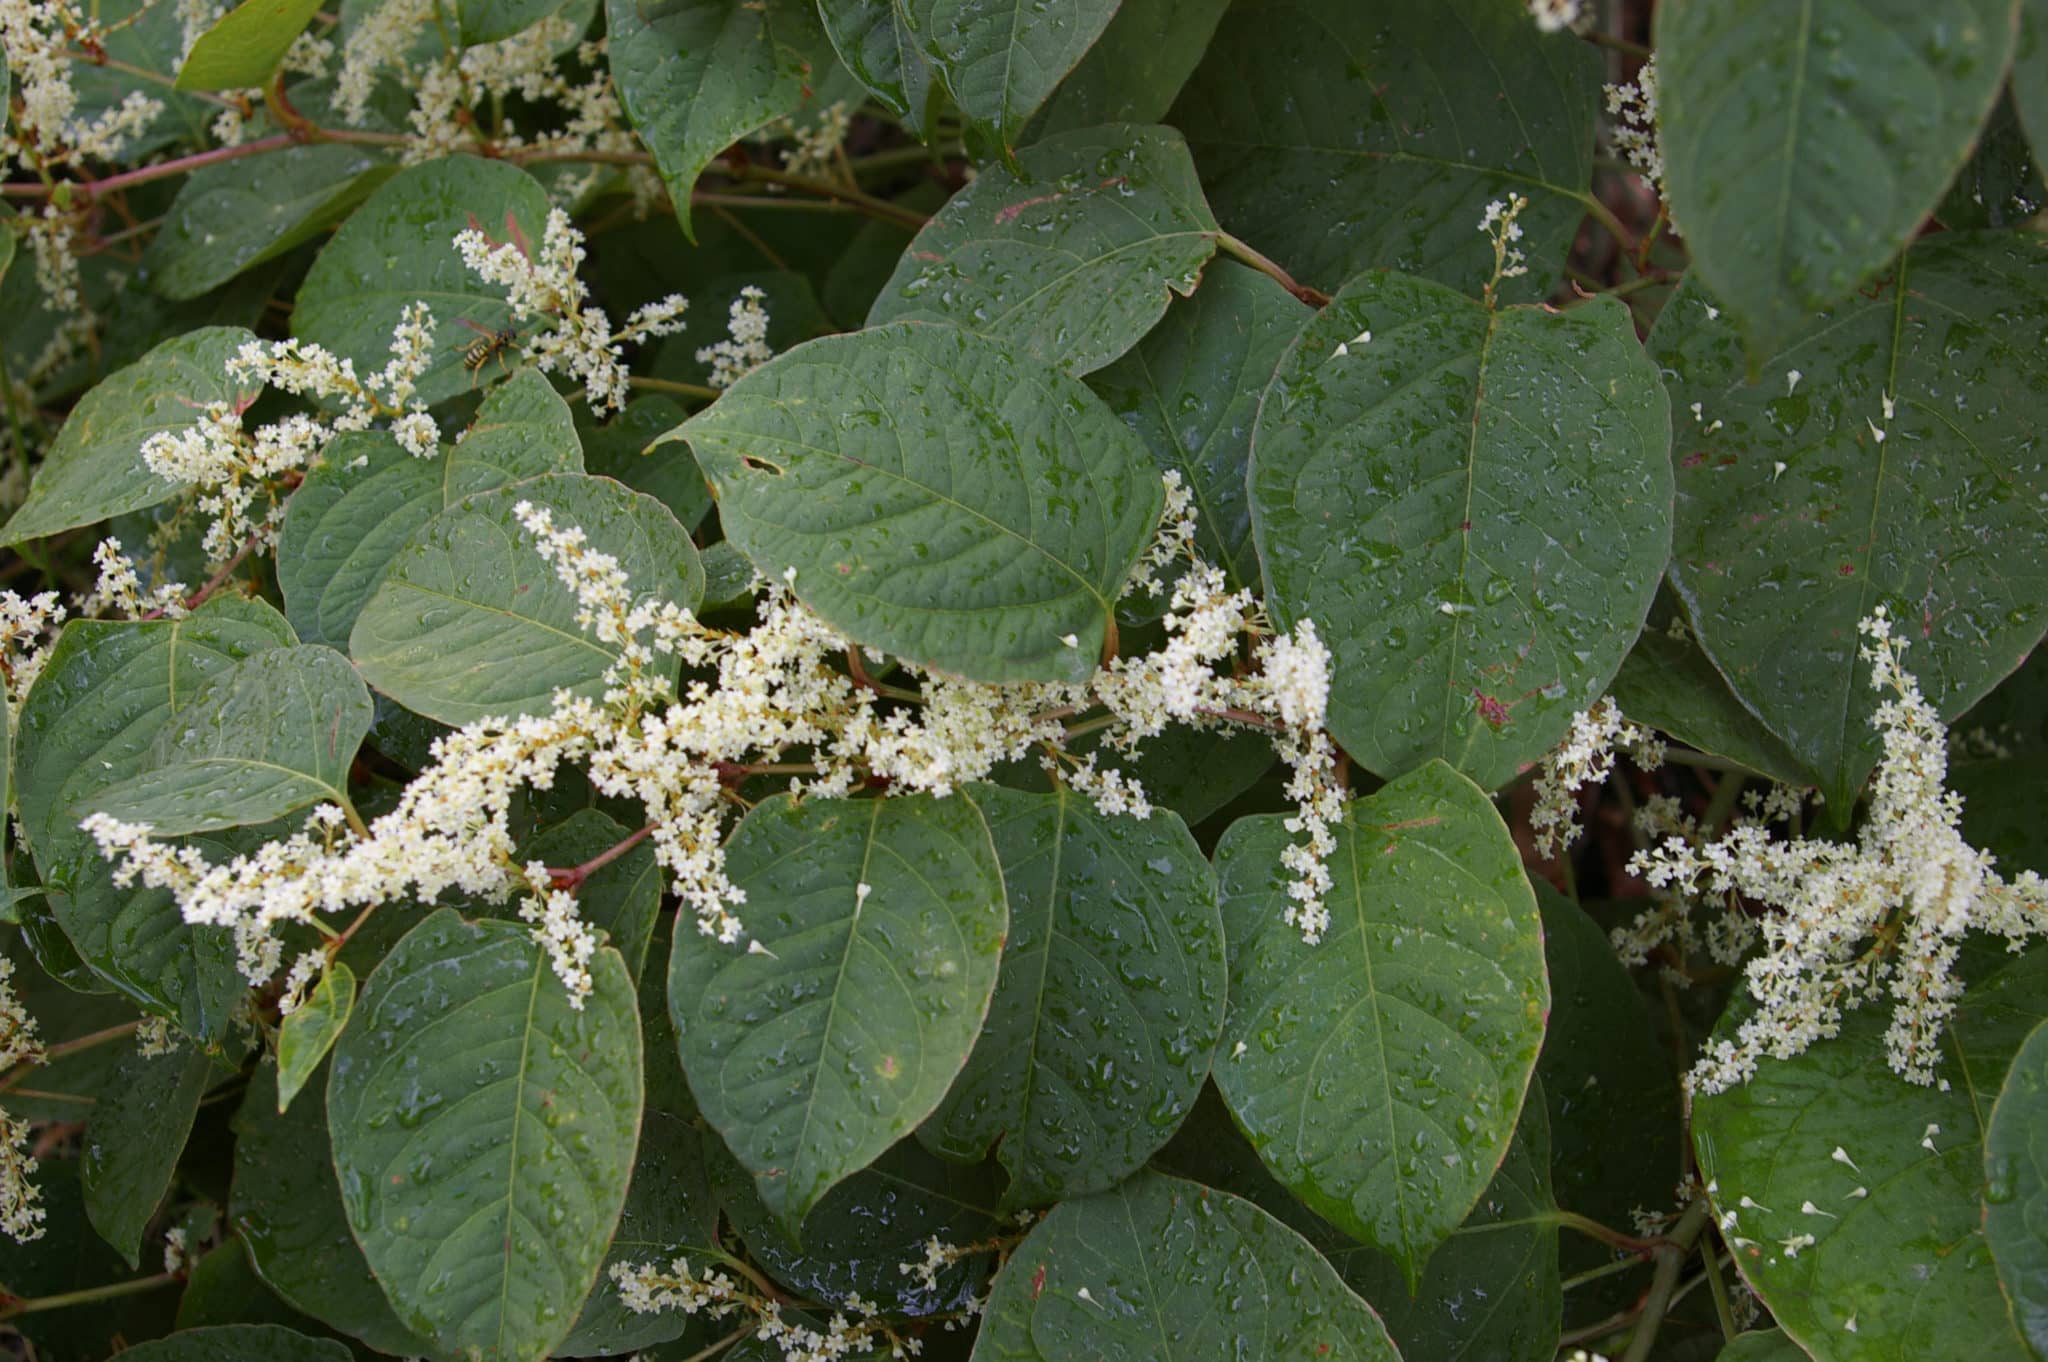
point(1000, 59)
point(470, 620)
point(94, 468)
point(1172, 1271)
point(399, 249)
point(1339, 138)
point(1474, 506)
point(1072, 258)
point(1889, 455)
point(230, 217)
point(484, 1132)
point(879, 925)
point(1133, 71)
point(874, 44)
point(2030, 72)
point(1108, 1004)
point(133, 1138)
point(1382, 1068)
point(309, 1031)
point(2016, 1188)
point(939, 496)
point(1804, 144)
point(272, 734)
point(239, 1343)
point(244, 46)
point(1855, 1196)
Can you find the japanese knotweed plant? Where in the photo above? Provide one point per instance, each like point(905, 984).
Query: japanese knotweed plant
point(1030, 681)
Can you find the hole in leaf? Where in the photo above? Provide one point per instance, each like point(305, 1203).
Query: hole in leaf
point(761, 465)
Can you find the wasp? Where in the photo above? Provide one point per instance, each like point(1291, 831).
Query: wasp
point(487, 346)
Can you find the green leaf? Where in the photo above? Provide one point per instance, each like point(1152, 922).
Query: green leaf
point(137, 1130)
point(2016, 1188)
point(484, 1132)
point(222, 1288)
point(471, 621)
point(137, 940)
point(1794, 521)
point(872, 41)
point(696, 75)
point(368, 496)
point(1340, 138)
point(1473, 506)
point(1762, 1345)
point(887, 468)
point(245, 45)
point(2030, 72)
point(94, 468)
point(623, 897)
point(285, 1205)
point(230, 217)
point(71, 1257)
point(1108, 1004)
point(309, 1031)
point(399, 249)
point(6, 228)
point(272, 734)
point(1789, 161)
point(1135, 68)
point(1382, 1068)
point(814, 1055)
point(239, 1343)
point(728, 576)
point(2000, 185)
point(1171, 1271)
point(1071, 259)
point(1191, 391)
point(1000, 59)
point(621, 449)
point(1916, 1154)
point(488, 21)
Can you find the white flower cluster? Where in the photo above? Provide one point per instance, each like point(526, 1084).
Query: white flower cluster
point(21, 1211)
point(119, 589)
point(28, 626)
point(1558, 16)
point(1500, 225)
point(1634, 108)
point(814, 148)
point(52, 243)
point(37, 37)
point(155, 1037)
point(580, 342)
point(1851, 922)
point(648, 1287)
point(746, 344)
point(1585, 757)
point(757, 696)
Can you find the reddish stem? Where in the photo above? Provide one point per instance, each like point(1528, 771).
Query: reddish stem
point(573, 877)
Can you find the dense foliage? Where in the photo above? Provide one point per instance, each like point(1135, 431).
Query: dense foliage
point(1029, 680)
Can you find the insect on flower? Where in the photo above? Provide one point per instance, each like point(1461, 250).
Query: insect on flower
point(489, 345)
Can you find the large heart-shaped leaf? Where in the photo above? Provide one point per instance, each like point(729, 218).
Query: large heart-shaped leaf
point(696, 75)
point(1473, 505)
point(239, 1343)
point(1136, 67)
point(229, 217)
point(489, 21)
point(1345, 137)
point(1109, 1001)
point(880, 923)
point(273, 733)
point(1379, 1072)
point(1191, 391)
point(367, 496)
point(892, 470)
point(134, 1138)
point(484, 1131)
point(470, 621)
point(1839, 1180)
point(399, 249)
point(1791, 161)
point(1906, 474)
point(94, 468)
point(875, 45)
point(1000, 59)
point(243, 47)
point(1172, 1271)
point(2016, 1188)
point(1073, 258)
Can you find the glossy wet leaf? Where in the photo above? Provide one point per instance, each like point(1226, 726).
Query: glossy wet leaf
point(309, 1031)
point(238, 214)
point(244, 46)
point(1108, 1004)
point(1383, 1067)
point(367, 497)
point(69, 1257)
point(488, 21)
point(484, 1132)
point(1133, 71)
point(94, 468)
point(399, 249)
point(273, 733)
point(620, 449)
point(1905, 1256)
point(696, 75)
point(1804, 143)
point(1762, 1345)
point(1071, 260)
point(133, 1137)
point(469, 619)
point(814, 1055)
point(1474, 507)
point(1338, 138)
point(2030, 71)
point(1795, 521)
point(2016, 1188)
point(222, 1288)
point(239, 1343)
point(1000, 59)
point(887, 468)
point(285, 1205)
point(1191, 388)
point(1170, 1270)
point(874, 43)
point(2000, 185)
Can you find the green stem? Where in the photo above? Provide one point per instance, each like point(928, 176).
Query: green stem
point(663, 385)
point(51, 1054)
point(832, 189)
point(1265, 265)
point(1606, 1234)
point(1594, 1274)
point(86, 1296)
point(1604, 215)
point(1723, 802)
point(721, 1345)
point(1670, 1262)
point(1724, 1311)
point(1621, 45)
